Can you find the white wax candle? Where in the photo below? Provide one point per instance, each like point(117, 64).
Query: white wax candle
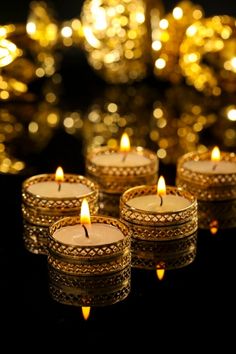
point(49, 189)
point(99, 234)
point(208, 166)
point(116, 159)
point(151, 202)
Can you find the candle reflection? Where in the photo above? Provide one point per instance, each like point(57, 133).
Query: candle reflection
point(160, 270)
point(86, 312)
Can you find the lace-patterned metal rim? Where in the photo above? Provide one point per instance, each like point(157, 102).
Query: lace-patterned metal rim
point(35, 238)
point(53, 205)
point(86, 254)
point(134, 216)
point(69, 296)
point(35, 217)
point(116, 179)
point(206, 186)
point(174, 262)
point(155, 233)
point(222, 212)
point(108, 265)
point(162, 250)
point(90, 284)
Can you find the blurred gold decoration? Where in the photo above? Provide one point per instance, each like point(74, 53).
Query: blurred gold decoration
point(41, 25)
point(176, 123)
point(16, 70)
point(71, 32)
point(167, 36)
point(43, 29)
point(208, 55)
point(8, 52)
point(116, 38)
point(119, 109)
point(9, 129)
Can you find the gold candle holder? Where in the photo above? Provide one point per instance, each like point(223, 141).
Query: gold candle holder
point(116, 179)
point(39, 212)
point(206, 185)
point(167, 236)
point(89, 275)
point(113, 179)
point(77, 290)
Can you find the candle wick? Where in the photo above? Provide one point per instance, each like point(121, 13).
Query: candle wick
point(124, 157)
point(214, 166)
point(161, 200)
point(86, 231)
point(59, 186)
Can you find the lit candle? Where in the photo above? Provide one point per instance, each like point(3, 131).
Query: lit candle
point(214, 165)
point(160, 202)
point(210, 176)
point(87, 234)
point(124, 157)
point(117, 169)
point(163, 223)
point(49, 197)
point(59, 188)
point(92, 253)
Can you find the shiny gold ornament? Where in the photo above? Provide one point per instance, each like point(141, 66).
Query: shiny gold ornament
point(167, 36)
point(8, 52)
point(119, 109)
point(117, 38)
point(41, 25)
point(208, 55)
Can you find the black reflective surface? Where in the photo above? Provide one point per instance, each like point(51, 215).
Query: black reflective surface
point(195, 303)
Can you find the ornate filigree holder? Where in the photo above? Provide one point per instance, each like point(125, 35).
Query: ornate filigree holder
point(41, 212)
point(216, 193)
point(168, 237)
point(114, 180)
point(89, 275)
point(206, 186)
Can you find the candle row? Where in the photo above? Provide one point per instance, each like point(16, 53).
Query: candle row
point(161, 221)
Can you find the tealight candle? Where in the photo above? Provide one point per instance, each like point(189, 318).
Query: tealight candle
point(115, 170)
point(93, 254)
point(156, 214)
point(159, 202)
point(47, 198)
point(209, 176)
point(87, 234)
point(213, 166)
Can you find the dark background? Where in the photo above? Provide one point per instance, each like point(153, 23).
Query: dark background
point(193, 306)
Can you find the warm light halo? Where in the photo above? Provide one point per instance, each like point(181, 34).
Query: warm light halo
point(160, 270)
point(86, 312)
point(85, 213)
point(161, 186)
point(59, 176)
point(215, 154)
point(124, 143)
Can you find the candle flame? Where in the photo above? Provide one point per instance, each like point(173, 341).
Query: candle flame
point(85, 213)
point(215, 154)
point(86, 312)
point(160, 270)
point(214, 226)
point(161, 186)
point(124, 143)
point(59, 175)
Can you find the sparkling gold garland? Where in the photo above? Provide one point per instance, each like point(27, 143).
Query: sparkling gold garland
point(208, 55)
point(167, 36)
